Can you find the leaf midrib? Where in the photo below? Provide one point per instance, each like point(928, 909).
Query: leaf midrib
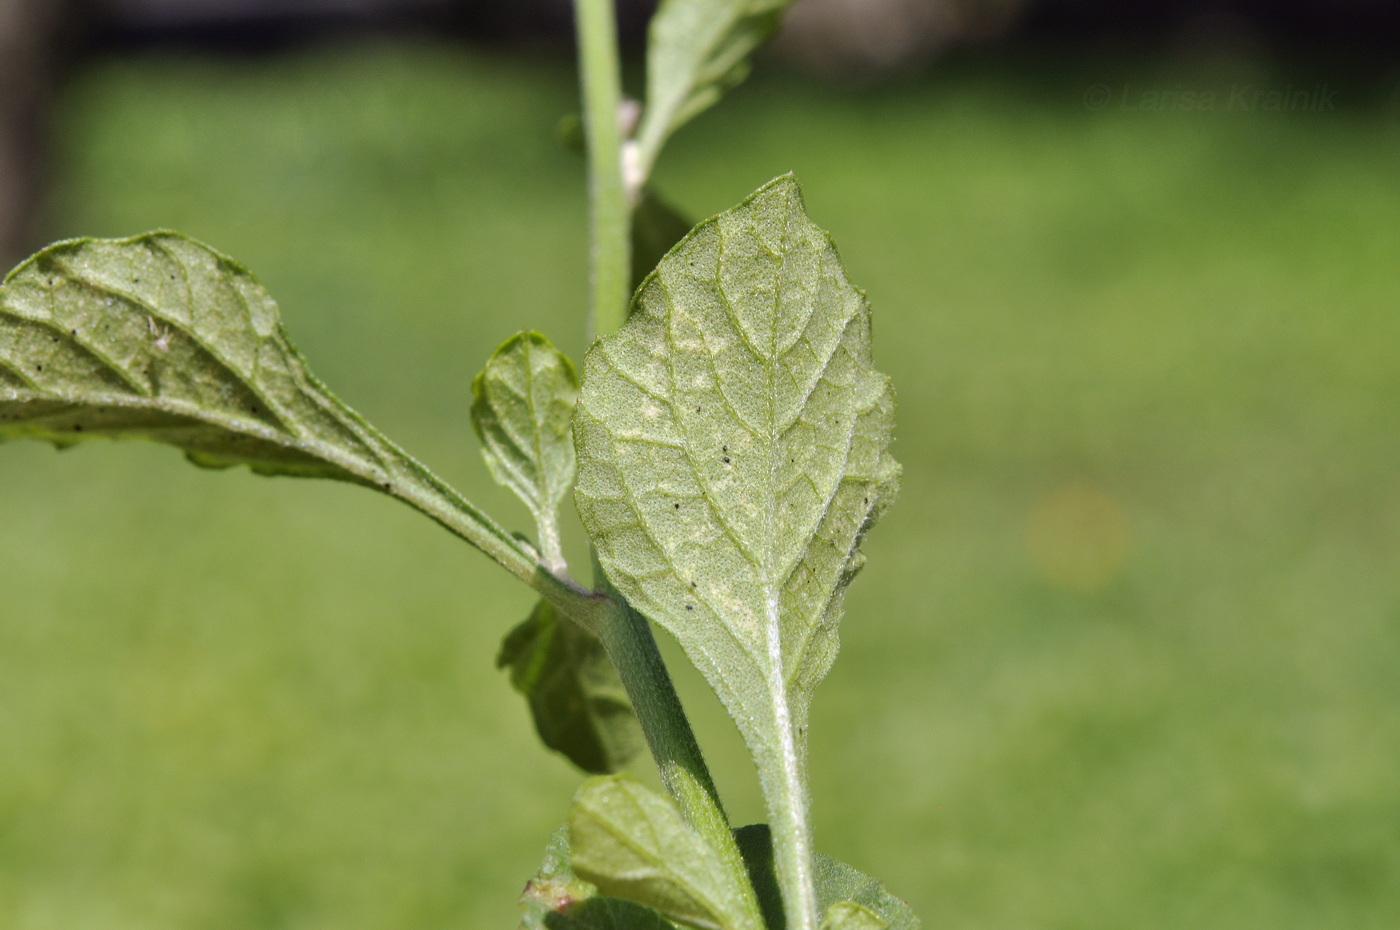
point(179, 408)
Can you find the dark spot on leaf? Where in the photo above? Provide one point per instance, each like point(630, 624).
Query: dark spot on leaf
point(39, 367)
point(678, 506)
point(726, 460)
point(77, 427)
point(867, 500)
point(72, 332)
point(697, 409)
point(725, 449)
point(689, 606)
point(692, 584)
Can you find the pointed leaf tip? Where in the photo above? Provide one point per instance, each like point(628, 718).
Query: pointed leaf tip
point(696, 51)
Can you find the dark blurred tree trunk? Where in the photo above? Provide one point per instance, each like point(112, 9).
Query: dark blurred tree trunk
point(30, 38)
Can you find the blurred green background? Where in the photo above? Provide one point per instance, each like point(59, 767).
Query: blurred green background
point(1126, 652)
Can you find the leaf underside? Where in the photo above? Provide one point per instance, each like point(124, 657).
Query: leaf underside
point(633, 844)
point(732, 443)
point(522, 405)
point(697, 50)
point(557, 898)
point(578, 703)
point(836, 882)
point(161, 338)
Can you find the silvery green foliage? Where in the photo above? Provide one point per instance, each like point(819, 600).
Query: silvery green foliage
point(697, 50)
point(522, 404)
point(577, 701)
point(633, 844)
point(732, 444)
point(159, 337)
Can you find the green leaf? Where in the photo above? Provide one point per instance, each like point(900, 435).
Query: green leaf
point(522, 405)
point(557, 899)
point(836, 882)
point(578, 703)
point(847, 915)
point(656, 228)
point(633, 844)
point(732, 443)
point(696, 51)
point(161, 338)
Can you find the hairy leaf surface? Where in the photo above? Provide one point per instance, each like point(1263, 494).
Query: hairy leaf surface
point(697, 50)
point(557, 899)
point(633, 844)
point(578, 702)
point(522, 405)
point(836, 883)
point(159, 337)
point(733, 452)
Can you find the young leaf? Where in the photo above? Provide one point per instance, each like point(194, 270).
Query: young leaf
point(522, 404)
point(634, 844)
point(847, 915)
point(557, 899)
point(733, 452)
point(836, 883)
point(159, 337)
point(697, 50)
point(577, 701)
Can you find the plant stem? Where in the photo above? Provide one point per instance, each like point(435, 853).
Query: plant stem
point(430, 495)
point(609, 210)
point(783, 775)
point(625, 633)
point(630, 644)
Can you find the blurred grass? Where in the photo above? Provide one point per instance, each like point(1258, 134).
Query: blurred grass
point(1125, 653)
